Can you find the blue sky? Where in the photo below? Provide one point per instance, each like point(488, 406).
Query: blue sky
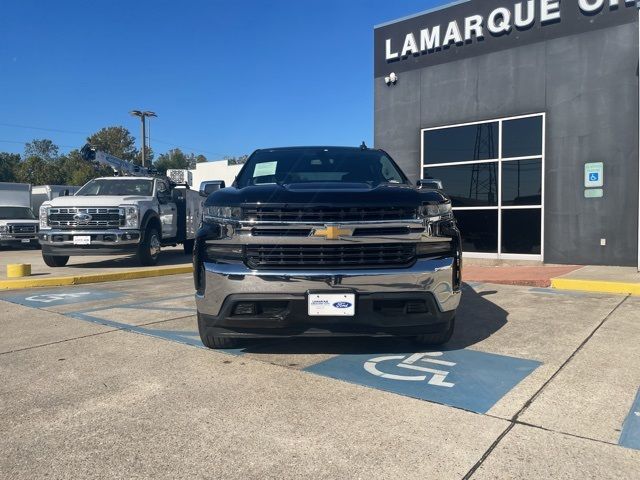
point(225, 77)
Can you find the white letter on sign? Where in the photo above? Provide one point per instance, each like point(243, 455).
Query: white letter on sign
point(549, 10)
point(410, 46)
point(504, 25)
point(430, 40)
point(522, 22)
point(390, 55)
point(589, 6)
point(453, 34)
point(473, 26)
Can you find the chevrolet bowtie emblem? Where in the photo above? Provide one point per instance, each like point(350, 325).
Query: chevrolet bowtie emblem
point(332, 232)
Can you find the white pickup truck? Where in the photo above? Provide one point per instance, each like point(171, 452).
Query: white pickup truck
point(18, 224)
point(120, 215)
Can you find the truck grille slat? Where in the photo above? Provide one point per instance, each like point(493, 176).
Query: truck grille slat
point(22, 229)
point(327, 214)
point(106, 217)
point(362, 255)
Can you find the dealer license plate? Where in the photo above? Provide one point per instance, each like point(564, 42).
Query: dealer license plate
point(332, 304)
point(82, 240)
point(25, 240)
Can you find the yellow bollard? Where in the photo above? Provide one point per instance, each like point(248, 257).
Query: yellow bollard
point(18, 270)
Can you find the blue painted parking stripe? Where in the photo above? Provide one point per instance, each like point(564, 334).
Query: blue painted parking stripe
point(191, 338)
point(466, 379)
point(54, 298)
point(630, 436)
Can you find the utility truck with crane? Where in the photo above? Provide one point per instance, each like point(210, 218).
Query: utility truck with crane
point(135, 212)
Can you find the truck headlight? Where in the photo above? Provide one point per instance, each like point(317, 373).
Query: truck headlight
point(4, 229)
point(436, 210)
point(131, 216)
point(212, 213)
point(44, 217)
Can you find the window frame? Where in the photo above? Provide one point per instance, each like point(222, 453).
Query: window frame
point(500, 160)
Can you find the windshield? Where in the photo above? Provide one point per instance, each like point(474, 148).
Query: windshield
point(310, 165)
point(119, 187)
point(16, 213)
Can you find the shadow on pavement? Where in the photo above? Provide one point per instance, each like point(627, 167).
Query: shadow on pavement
point(167, 258)
point(477, 319)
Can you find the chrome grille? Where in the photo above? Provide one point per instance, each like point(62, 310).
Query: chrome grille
point(329, 256)
point(327, 214)
point(66, 218)
point(23, 229)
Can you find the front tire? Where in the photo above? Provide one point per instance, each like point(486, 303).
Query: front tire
point(437, 339)
point(149, 248)
point(55, 261)
point(215, 342)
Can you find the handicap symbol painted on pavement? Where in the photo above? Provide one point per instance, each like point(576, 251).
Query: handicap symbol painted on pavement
point(466, 379)
point(59, 297)
point(437, 377)
point(630, 436)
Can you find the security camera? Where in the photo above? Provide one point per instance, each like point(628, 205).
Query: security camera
point(392, 79)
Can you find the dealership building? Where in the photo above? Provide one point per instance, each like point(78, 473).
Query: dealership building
point(528, 112)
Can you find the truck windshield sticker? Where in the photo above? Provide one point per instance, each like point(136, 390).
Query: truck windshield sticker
point(265, 169)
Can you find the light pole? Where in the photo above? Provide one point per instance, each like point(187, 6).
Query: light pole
point(143, 117)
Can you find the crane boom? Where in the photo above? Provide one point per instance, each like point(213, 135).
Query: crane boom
point(119, 166)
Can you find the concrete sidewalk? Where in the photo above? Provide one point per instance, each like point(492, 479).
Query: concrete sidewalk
point(617, 280)
point(622, 280)
point(91, 269)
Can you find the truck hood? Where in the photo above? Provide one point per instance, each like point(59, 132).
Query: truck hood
point(326, 194)
point(19, 222)
point(95, 201)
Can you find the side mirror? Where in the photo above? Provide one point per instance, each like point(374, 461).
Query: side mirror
point(430, 184)
point(65, 193)
point(207, 188)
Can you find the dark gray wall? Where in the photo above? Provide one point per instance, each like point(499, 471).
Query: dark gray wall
point(588, 86)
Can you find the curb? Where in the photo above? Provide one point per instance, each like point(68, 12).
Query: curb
point(621, 288)
point(92, 278)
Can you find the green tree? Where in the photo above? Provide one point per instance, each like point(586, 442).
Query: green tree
point(77, 171)
point(241, 160)
point(116, 141)
point(174, 158)
point(44, 149)
point(9, 166)
point(38, 171)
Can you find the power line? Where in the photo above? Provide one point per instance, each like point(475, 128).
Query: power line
point(24, 143)
point(56, 130)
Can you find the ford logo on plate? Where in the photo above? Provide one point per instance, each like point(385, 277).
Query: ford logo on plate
point(342, 305)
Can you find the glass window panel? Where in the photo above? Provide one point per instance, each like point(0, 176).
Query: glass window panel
point(469, 185)
point(459, 144)
point(522, 138)
point(479, 230)
point(522, 182)
point(522, 231)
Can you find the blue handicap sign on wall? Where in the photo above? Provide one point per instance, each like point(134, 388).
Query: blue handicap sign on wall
point(53, 298)
point(630, 436)
point(467, 379)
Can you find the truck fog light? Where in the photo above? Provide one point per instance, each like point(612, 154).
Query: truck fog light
point(426, 249)
point(224, 252)
point(245, 308)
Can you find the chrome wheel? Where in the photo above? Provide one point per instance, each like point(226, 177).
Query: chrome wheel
point(154, 246)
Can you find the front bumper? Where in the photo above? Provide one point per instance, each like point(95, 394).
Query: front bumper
point(18, 240)
point(383, 297)
point(61, 242)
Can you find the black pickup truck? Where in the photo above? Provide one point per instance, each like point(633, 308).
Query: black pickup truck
point(326, 241)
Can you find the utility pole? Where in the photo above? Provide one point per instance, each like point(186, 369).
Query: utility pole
point(143, 117)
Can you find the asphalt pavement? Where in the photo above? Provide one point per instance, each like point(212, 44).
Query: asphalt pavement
point(111, 381)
